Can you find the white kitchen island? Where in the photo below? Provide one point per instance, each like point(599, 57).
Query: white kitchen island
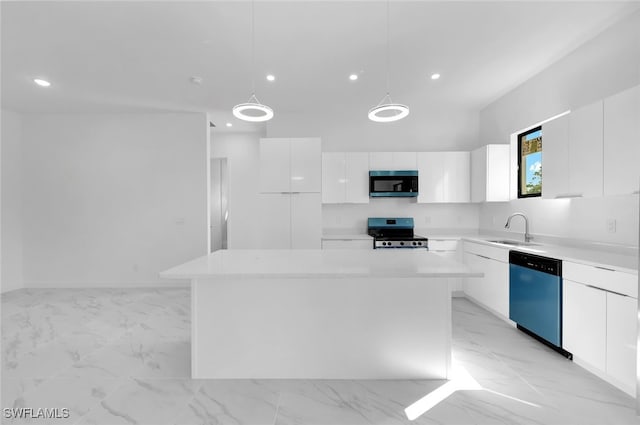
point(320, 314)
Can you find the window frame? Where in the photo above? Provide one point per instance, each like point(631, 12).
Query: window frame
point(520, 179)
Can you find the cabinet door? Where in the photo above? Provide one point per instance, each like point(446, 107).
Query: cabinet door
point(334, 181)
point(404, 161)
point(479, 175)
point(497, 170)
point(585, 150)
point(275, 220)
point(430, 177)
point(274, 165)
point(306, 221)
point(555, 157)
point(357, 177)
point(584, 323)
point(472, 286)
point(622, 142)
point(497, 286)
point(381, 161)
point(621, 340)
point(306, 165)
point(457, 179)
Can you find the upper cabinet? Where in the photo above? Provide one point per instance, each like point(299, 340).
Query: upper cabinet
point(290, 165)
point(490, 167)
point(392, 161)
point(585, 150)
point(622, 142)
point(444, 177)
point(572, 149)
point(345, 177)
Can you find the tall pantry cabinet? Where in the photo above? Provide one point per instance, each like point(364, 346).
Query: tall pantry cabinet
point(290, 200)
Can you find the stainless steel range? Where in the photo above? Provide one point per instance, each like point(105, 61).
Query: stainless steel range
point(394, 233)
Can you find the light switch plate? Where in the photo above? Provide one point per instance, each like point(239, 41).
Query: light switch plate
point(611, 225)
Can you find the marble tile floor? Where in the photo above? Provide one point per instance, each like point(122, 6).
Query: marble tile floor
point(115, 356)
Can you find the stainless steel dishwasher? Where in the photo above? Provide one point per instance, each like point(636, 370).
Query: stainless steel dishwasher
point(535, 297)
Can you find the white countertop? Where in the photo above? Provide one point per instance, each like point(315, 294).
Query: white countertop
point(347, 237)
point(594, 257)
point(311, 263)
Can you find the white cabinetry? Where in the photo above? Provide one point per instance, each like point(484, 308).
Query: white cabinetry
point(490, 173)
point(290, 201)
point(622, 142)
point(572, 150)
point(599, 321)
point(444, 177)
point(290, 165)
point(585, 150)
point(492, 290)
point(584, 323)
point(347, 243)
point(290, 220)
point(392, 161)
point(448, 248)
point(345, 177)
point(555, 157)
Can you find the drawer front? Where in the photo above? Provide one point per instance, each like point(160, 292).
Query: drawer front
point(607, 279)
point(443, 245)
point(500, 254)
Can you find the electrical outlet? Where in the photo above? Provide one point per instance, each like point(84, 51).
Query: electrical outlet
point(611, 225)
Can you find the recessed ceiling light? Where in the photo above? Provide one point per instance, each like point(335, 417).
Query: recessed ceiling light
point(271, 77)
point(196, 80)
point(435, 76)
point(353, 77)
point(229, 124)
point(41, 83)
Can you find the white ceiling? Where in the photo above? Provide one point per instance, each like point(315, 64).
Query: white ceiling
point(132, 56)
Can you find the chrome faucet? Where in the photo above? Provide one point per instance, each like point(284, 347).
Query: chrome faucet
point(527, 236)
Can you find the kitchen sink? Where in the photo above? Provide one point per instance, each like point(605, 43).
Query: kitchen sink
point(514, 243)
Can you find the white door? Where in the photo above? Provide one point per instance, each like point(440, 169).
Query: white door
point(584, 323)
point(479, 175)
point(431, 184)
point(334, 181)
point(555, 157)
point(404, 161)
point(306, 221)
point(381, 161)
point(621, 339)
point(357, 177)
point(274, 165)
point(306, 165)
point(457, 176)
point(275, 220)
point(586, 150)
point(622, 142)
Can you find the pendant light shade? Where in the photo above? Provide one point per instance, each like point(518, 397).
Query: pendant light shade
point(252, 110)
point(386, 110)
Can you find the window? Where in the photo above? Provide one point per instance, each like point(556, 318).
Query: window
point(530, 163)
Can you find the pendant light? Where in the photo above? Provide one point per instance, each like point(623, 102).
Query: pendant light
point(252, 110)
point(386, 110)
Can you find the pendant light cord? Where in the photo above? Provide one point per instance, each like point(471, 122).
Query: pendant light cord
point(387, 47)
point(253, 52)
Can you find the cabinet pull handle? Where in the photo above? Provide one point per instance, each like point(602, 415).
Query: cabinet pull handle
point(604, 268)
point(482, 256)
point(635, 192)
point(568, 195)
point(595, 287)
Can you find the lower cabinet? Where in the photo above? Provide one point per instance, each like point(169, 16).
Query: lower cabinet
point(347, 244)
point(492, 290)
point(448, 248)
point(599, 329)
point(584, 323)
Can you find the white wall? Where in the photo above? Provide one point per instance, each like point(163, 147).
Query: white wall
point(242, 151)
point(429, 219)
point(112, 199)
point(607, 64)
point(11, 239)
point(440, 129)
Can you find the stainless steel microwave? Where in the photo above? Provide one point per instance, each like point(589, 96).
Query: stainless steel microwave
point(402, 183)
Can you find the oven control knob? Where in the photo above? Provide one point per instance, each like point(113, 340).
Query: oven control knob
point(401, 243)
point(415, 243)
point(419, 243)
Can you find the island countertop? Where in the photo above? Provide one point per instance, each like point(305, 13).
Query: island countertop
point(310, 263)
